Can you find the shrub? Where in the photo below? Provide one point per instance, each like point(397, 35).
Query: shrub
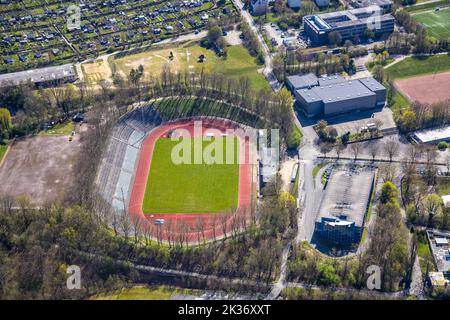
point(294, 139)
point(442, 145)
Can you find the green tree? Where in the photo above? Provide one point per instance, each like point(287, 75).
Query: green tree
point(214, 33)
point(5, 119)
point(389, 193)
point(328, 276)
point(378, 73)
point(335, 38)
point(407, 121)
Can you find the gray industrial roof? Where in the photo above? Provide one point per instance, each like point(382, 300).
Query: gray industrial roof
point(37, 75)
point(342, 90)
point(354, 17)
point(366, 3)
point(303, 81)
point(335, 78)
point(347, 194)
point(372, 84)
point(436, 134)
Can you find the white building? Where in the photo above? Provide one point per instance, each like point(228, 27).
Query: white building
point(446, 200)
point(432, 135)
point(258, 7)
point(294, 4)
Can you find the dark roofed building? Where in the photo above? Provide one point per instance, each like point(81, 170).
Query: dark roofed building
point(40, 77)
point(297, 82)
point(350, 24)
point(331, 95)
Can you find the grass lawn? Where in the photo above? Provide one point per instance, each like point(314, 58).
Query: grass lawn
point(424, 252)
point(363, 236)
point(192, 188)
point(61, 129)
point(426, 6)
point(294, 190)
point(399, 102)
point(443, 186)
point(144, 293)
point(180, 107)
point(294, 139)
point(239, 63)
point(370, 65)
point(437, 23)
point(414, 66)
point(317, 168)
point(3, 149)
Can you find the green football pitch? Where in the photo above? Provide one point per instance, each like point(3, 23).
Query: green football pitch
point(437, 23)
point(192, 188)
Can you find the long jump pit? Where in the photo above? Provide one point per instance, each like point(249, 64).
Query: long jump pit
point(195, 180)
point(425, 89)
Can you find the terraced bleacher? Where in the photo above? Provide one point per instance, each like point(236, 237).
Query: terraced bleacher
point(116, 171)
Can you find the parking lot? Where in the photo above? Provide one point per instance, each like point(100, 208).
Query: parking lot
point(289, 38)
point(353, 122)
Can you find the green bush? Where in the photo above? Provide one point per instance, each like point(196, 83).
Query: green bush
point(294, 139)
point(442, 145)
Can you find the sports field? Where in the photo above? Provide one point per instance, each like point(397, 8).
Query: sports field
point(192, 188)
point(415, 66)
point(437, 23)
point(239, 63)
point(426, 89)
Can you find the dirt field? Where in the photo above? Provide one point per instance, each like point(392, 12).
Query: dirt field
point(155, 60)
point(40, 167)
point(426, 89)
point(97, 71)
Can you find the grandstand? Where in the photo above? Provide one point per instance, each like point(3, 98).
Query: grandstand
point(117, 168)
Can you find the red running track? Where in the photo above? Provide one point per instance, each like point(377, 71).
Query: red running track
point(188, 227)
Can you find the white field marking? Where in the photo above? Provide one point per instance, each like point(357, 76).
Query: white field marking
point(161, 57)
point(187, 55)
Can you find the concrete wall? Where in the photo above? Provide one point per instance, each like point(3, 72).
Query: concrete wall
point(311, 109)
point(362, 103)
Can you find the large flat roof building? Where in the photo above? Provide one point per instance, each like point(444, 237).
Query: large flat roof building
point(344, 206)
point(433, 135)
point(40, 77)
point(350, 24)
point(386, 5)
point(331, 95)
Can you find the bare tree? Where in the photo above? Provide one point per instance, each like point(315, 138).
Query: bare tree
point(137, 226)
point(387, 172)
point(223, 224)
point(125, 224)
point(447, 162)
point(339, 147)
point(198, 227)
point(413, 153)
point(355, 148)
point(391, 147)
point(325, 148)
point(373, 149)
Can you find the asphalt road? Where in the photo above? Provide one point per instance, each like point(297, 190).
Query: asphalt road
point(268, 70)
